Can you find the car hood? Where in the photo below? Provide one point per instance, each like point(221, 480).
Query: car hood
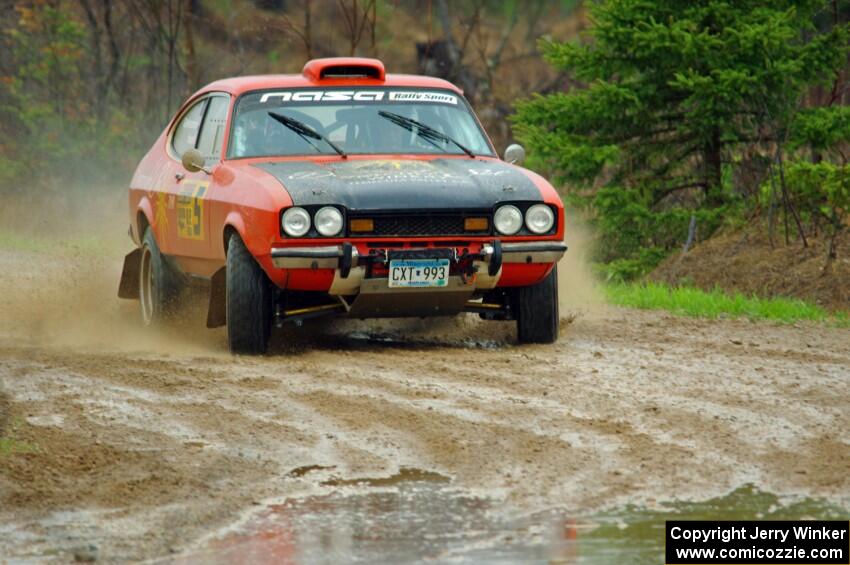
point(384, 184)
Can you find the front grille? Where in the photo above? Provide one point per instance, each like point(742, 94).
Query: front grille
point(420, 224)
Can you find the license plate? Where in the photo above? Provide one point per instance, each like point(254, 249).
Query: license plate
point(419, 273)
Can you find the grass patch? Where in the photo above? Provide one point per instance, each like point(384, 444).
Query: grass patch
point(11, 446)
point(688, 301)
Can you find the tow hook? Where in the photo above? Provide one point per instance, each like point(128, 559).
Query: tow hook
point(346, 261)
point(493, 256)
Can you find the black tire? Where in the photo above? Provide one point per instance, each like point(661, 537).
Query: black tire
point(249, 301)
point(160, 284)
point(537, 311)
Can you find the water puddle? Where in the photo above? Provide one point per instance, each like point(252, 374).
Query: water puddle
point(638, 532)
point(418, 515)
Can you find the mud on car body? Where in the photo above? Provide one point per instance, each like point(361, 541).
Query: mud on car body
point(343, 191)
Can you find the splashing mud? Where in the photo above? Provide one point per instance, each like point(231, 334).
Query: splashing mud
point(61, 256)
point(578, 290)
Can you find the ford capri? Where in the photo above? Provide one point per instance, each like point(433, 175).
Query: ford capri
point(342, 191)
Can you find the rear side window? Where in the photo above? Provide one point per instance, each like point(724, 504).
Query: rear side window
point(212, 131)
point(186, 134)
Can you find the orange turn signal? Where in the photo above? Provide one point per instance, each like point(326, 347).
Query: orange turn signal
point(475, 224)
point(362, 225)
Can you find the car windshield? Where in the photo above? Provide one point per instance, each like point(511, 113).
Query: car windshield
point(356, 121)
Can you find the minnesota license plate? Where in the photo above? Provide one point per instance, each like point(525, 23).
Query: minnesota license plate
point(419, 273)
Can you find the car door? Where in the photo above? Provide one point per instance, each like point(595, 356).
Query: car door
point(184, 136)
point(201, 128)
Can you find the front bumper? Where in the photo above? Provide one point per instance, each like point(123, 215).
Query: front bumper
point(350, 266)
point(360, 282)
point(533, 252)
point(346, 256)
point(323, 257)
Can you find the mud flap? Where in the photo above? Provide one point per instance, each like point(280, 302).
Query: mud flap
point(129, 285)
point(217, 312)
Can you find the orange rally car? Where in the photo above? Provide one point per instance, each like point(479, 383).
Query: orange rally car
point(343, 191)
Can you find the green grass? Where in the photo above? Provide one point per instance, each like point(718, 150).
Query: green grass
point(716, 303)
point(10, 446)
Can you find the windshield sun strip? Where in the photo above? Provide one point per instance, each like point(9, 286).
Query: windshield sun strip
point(491, 152)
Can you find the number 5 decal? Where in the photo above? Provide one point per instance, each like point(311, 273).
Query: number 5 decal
point(190, 209)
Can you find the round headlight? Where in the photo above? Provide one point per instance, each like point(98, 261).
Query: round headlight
point(539, 218)
point(508, 219)
point(328, 221)
point(295, 222)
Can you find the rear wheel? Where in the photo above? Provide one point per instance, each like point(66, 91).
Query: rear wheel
point(160, 285)
point(537, 310)
point(249, 301)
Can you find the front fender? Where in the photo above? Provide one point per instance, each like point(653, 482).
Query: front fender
point(145, 207)
point(233, 221)
point(258, 246)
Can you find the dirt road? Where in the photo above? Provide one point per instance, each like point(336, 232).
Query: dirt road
point(140, 445)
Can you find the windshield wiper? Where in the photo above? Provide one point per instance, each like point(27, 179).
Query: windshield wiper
point(306, 131)
point(427, 132)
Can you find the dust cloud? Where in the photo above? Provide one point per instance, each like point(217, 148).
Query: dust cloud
point(579, 293)
point(61, 254)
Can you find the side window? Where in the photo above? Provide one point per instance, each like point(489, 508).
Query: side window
point(186, 134)
point(213, 129)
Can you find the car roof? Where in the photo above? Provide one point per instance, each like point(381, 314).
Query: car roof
point(352, 71)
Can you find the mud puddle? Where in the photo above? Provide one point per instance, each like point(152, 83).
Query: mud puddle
point(418, 515)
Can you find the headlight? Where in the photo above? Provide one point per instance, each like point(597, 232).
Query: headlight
point(539, 218)
point(328, 221)
point(295, 222)
point(508, 219)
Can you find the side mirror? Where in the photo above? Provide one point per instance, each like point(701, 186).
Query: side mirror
point(193, 161)
point(515, 154)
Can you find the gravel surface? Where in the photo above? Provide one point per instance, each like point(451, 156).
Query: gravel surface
point(123, 444)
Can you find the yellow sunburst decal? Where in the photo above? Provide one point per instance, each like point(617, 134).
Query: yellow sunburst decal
point(160, 217)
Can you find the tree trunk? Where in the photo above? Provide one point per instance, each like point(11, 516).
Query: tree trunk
point(800, 231)
point(191, 59)
point(308, 28)
point(713, 171)
point(98, 74)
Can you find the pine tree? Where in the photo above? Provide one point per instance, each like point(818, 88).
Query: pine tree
point(673, 88)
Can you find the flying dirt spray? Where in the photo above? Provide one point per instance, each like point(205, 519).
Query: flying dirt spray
point(61, 255)
point(578, 291)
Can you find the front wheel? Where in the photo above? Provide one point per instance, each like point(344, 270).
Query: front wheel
point(537, 310)
point(249, 301)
